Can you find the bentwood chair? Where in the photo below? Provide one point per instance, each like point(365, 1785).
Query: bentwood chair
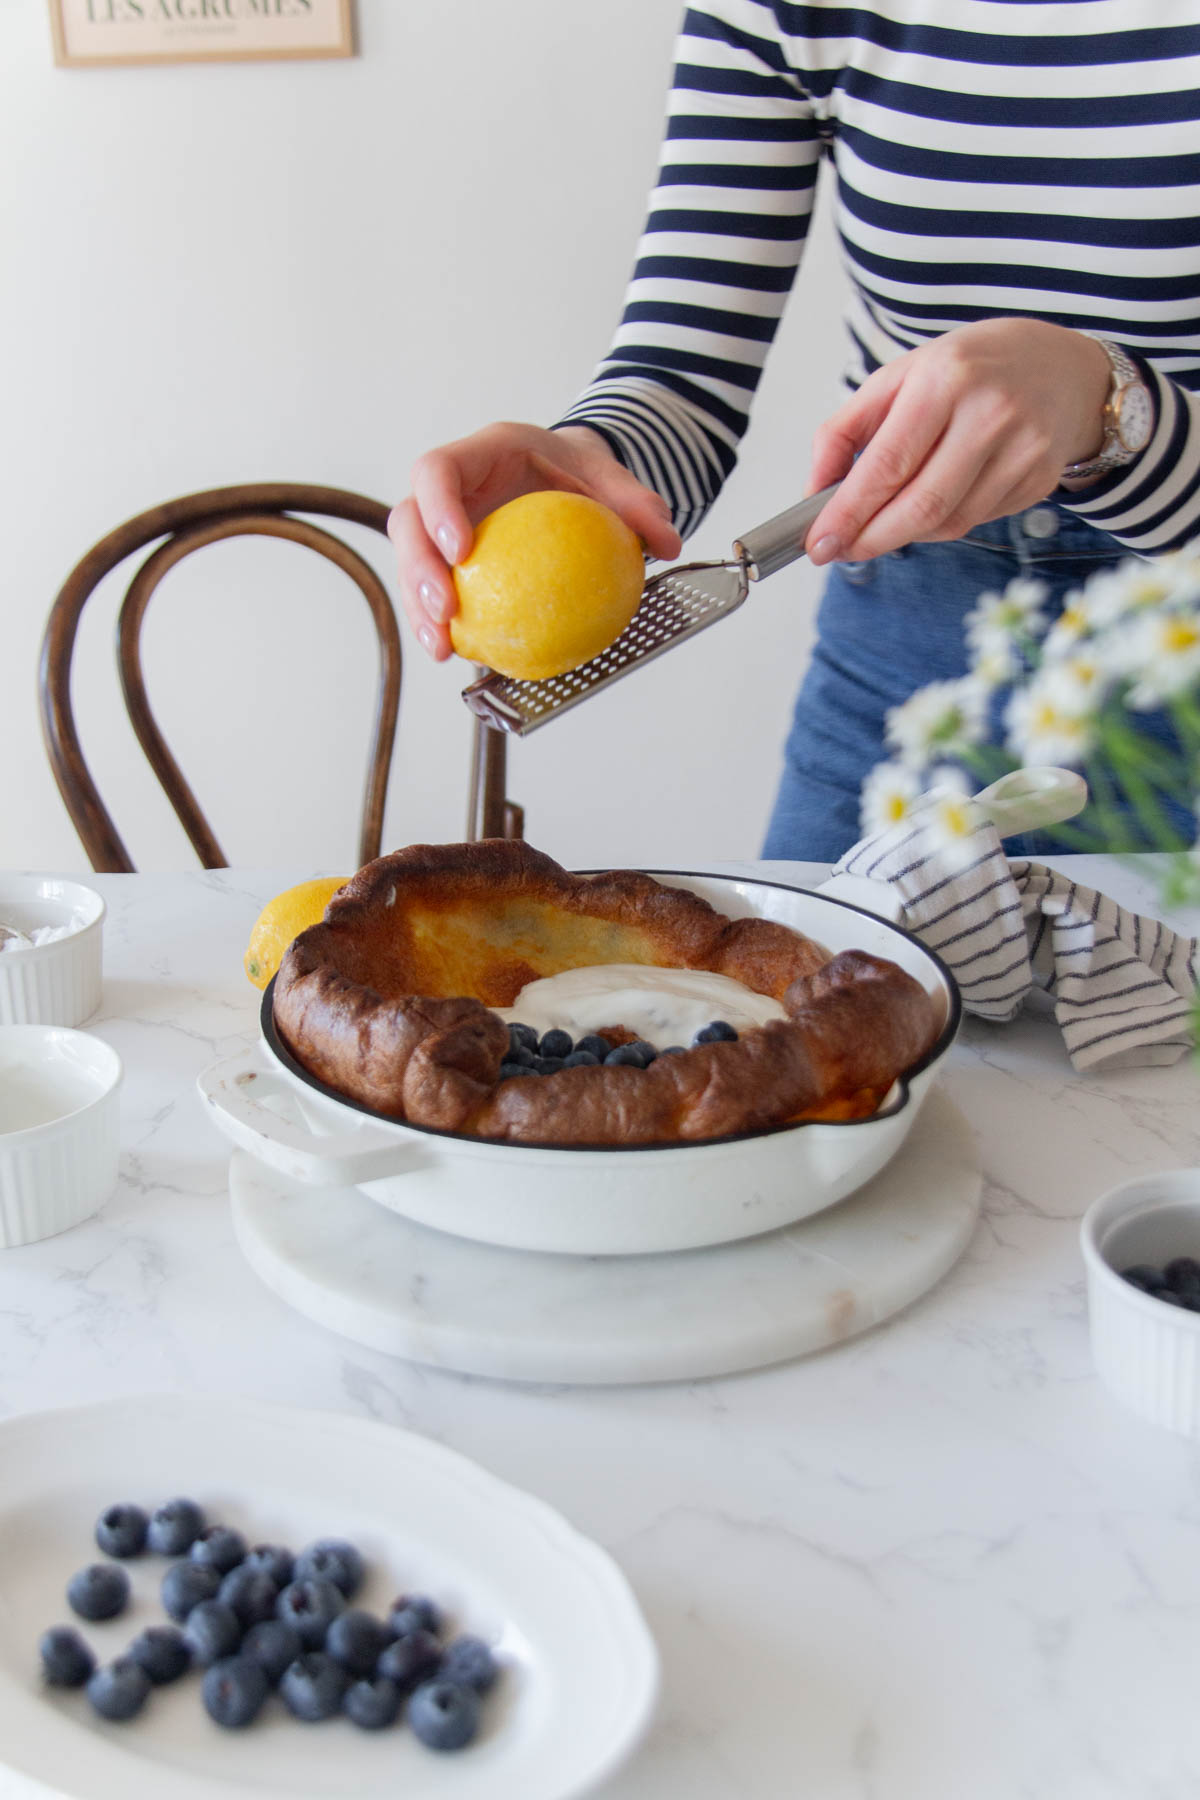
point(178, 528)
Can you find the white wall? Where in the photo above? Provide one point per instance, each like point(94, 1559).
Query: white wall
point(313, 271)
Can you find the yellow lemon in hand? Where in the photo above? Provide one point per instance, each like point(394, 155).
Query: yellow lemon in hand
point(550, 581)
point(284, 918)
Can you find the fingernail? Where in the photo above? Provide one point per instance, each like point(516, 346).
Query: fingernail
point(826, 549)
point(428, 637)
point(447, 542)
point(434, 602)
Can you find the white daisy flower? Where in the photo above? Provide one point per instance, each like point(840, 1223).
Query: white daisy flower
point(1132, 587)
point(951, 820)
point(1014, 615)
point(1053, 720)
point(1070, 629)
point(936, 721)
point(1158, 653)
point(887, 798)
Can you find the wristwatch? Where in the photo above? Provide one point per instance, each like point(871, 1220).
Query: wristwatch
point(1128, 417)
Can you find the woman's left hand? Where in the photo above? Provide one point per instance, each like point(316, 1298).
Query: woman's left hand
point(976, 424)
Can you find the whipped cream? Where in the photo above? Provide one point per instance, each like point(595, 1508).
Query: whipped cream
point(664, 1006)
point(40, 934)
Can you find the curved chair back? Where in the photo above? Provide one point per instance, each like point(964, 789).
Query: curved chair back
point(183, 526)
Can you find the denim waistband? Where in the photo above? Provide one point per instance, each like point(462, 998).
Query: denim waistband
point(1046, 533)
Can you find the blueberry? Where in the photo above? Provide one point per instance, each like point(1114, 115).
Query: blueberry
point(414, 1612)
point(625, 1056)
point(1182, 1274)
point(185, 1585)
point(162, 1652)
point(509, 1069)
point(309, 1607)
point(469, 1662)
point(580, 1059)
point(646, 1051)
point(250, 1592)
point(121, 1531)
point(547, 1065)
point(716, 1033)
point(673, 1050)
point(273, 1560)
point(98, 1592)
point(119, 1689)
point(174, 1527)
point(595, 1045)
point(313, 1686)
point(517, 1053)
point(66, 1659)
point(522, 1037)
point(234, 1690)
point(1144, 1276)
point(556, 1043)
point(218, 1548)
point(444, 1715)
point(213, 1630)
point(355, 1639)
point(274, 1645)
point(331, 1559)
point(373, 1705)
point(410, 1660)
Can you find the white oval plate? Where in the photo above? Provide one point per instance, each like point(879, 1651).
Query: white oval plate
point(580, 1671)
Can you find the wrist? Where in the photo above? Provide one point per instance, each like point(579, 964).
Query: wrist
point(1125, 422)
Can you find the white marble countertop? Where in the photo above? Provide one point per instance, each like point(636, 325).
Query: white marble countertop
point(937, 1561)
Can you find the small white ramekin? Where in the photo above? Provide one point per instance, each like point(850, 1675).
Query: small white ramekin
point(59, 1129)
point(58, 983)
point(1146, 1351)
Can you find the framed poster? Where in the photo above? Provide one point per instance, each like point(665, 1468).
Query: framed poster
point(93, 34)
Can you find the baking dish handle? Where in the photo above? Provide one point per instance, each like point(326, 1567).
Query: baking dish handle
point(236, 1091)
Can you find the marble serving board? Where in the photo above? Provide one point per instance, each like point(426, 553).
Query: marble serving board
point(363, 1272)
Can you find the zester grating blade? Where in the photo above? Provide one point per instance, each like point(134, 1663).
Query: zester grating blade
point(675, 605)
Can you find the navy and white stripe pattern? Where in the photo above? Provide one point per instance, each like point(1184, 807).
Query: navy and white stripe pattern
point(991, 158)
point(1124, 986)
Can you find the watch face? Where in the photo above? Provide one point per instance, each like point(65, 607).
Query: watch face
point(1135, 417)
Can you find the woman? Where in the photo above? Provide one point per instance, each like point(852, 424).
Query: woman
point(1016, 188)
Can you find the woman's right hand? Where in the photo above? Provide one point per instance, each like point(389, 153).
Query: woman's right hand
point(460, 483)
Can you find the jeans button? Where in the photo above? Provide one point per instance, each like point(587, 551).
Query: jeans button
point(1040, 522)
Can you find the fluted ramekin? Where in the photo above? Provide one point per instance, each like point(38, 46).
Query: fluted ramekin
point(1146, 1351)
point(58, 983)
point(59, 1129)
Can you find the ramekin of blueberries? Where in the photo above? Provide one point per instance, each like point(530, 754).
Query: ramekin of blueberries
point(257, 1621)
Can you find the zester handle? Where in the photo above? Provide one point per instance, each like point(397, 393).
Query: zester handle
point(781, 540)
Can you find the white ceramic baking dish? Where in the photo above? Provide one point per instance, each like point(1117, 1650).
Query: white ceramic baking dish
point(59, 1130)
point(593, 1202)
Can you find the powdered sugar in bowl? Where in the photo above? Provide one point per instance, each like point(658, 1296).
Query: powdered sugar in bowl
point(50, 967)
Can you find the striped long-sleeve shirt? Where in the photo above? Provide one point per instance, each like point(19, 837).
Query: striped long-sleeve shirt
point(1017, 158)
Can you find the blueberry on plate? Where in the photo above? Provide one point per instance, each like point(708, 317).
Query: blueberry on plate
point(218, 1548)
point(184, 1586)
point(331, 1559)
point(595, 1045)
point(414, 1612)
point(581, 1059)
point(412, 1659)
point(312, 1687)
point(522, 1037)
point(250, 1592)
point(234, 1690)
point(98, 1592)
point(66, 1659)
point(673, 1050)
point(468, 1661)
point(174, 1527)
point(118, 1690)
point(509, 1069)
point(547, 1065)
point(212, 1630)
point(372, 1705)
point(556, 1043)
point(625, 1056)
point(310, 1607)
point(121, 1531)
point(444, 1715)
point(163, 1653)
point(718, 1032)
point(274, 1645)
point(355, 1639)
point(274, 1560)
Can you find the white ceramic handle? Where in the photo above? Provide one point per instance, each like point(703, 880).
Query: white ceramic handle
point(1026, 799)
point(235, 1091)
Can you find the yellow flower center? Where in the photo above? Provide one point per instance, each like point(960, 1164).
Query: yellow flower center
point(1180, 635)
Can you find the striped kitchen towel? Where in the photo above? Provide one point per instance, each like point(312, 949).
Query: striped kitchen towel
point(1124, 986)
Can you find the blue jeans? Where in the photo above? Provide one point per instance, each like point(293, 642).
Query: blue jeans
point(887, 627)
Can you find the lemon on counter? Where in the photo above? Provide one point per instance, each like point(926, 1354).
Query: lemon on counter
point(552, 579)
point(284, 918)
